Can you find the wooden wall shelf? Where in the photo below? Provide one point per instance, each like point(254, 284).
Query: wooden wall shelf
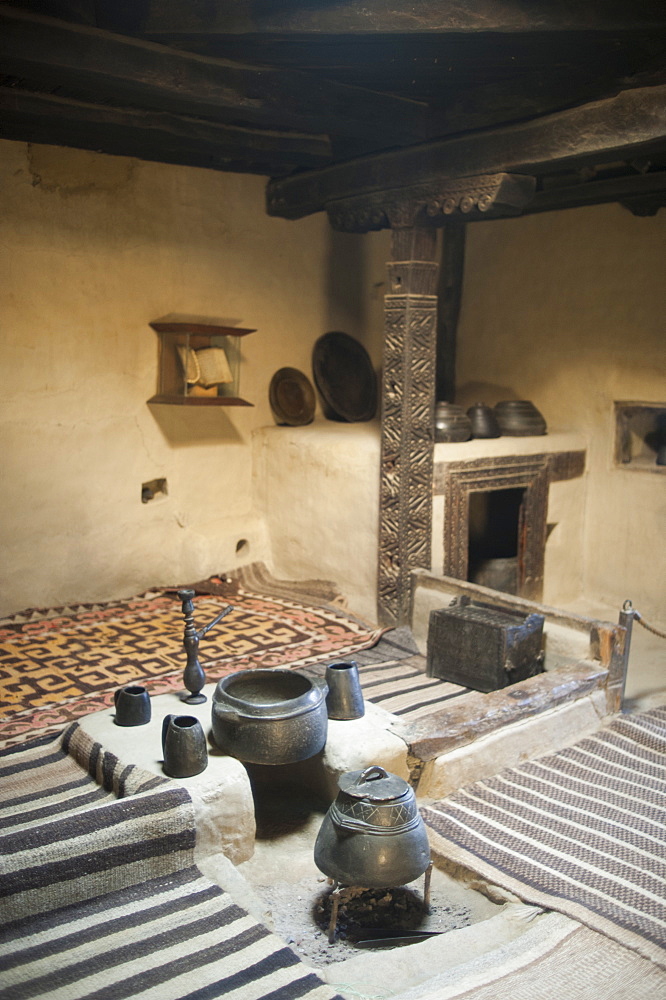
point(198, 400)
point(180, 342)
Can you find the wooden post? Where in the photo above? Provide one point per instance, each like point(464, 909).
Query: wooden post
point(409, 389)
point(452, 262)
point(408, 397)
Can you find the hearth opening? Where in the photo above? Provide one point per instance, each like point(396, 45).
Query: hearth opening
point(290, 803)
point(494, 518)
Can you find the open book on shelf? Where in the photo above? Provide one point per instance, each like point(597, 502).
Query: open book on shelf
point(207, 366)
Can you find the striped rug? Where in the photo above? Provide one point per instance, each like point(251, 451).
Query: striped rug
point(402, 688)
point(582, 831)
point(392, 675)
point(556, 959)
point(100, 896)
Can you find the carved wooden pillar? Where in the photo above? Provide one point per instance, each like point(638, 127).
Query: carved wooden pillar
point(413, 212)
point(408, 397)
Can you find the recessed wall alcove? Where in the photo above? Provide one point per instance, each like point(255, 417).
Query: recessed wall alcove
point(640, 436)
point(493, 508)
point(494, 518)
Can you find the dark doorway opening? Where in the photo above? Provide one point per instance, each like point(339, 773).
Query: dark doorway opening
point(494, 519)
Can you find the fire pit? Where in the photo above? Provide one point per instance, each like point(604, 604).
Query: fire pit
point(372, 837)
point(298, 898)
point(300, 911)
point(372, 917)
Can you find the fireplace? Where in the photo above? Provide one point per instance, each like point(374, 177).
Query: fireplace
point(494, 518)
point(491, 508)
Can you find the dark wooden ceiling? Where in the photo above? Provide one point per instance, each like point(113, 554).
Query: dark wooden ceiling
point(333, 97)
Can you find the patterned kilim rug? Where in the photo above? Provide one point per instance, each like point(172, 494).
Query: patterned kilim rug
point(582, 831)
point(58, 664)
point(101, 898)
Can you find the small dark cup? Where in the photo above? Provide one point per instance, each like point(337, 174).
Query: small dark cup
point(132, 706)
point(344, 699)
point(184, 746)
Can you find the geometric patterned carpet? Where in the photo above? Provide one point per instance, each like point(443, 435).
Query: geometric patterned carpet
point(57, 664)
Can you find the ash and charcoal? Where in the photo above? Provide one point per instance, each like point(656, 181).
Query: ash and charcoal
point(301, 915)
point(362, 913)
point(298, 898)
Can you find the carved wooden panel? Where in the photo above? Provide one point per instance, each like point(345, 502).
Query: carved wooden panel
point(486, 195)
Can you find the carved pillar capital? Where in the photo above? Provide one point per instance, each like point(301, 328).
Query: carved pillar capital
point(428, 204)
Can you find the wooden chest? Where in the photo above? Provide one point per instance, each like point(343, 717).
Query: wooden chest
point(483, 647)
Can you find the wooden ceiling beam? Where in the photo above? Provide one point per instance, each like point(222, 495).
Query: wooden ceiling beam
point(419, 16)
point(154, 135)
point(625, 189)
point(99, 65)
point(629, 124)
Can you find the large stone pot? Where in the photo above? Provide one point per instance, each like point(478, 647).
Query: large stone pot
point(373, 835)
point(269, 716)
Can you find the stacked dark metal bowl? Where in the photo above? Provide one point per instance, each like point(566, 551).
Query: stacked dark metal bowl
point(451, 423)
point(519, 418)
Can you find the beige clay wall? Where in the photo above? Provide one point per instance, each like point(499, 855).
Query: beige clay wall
point(565, 309)
point(92, 249)
point(568, 309)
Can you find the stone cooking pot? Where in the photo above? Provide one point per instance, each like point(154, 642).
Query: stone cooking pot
point(373, 835)
point(270, 716)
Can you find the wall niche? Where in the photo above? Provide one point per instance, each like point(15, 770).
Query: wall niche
point(640, 436)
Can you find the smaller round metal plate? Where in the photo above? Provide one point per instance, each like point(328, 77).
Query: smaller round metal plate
point(292, 397)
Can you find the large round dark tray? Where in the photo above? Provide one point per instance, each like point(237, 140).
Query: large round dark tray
point(345, 378)
point(292, 397)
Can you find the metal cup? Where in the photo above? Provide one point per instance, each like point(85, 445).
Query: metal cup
point(132, 706)
point(344, 699)
point(184, 746)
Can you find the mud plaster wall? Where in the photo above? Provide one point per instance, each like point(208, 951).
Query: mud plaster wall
point(92, 249)
point(568, 309)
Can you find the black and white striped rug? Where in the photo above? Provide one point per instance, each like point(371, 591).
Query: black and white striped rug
point(582, 831)
point(392, 675)
point(100, 897)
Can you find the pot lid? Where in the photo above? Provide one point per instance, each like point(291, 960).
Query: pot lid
point(373, 783)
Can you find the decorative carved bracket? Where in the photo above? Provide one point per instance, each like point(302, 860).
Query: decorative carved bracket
point(645, 205)
point(469, 198)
